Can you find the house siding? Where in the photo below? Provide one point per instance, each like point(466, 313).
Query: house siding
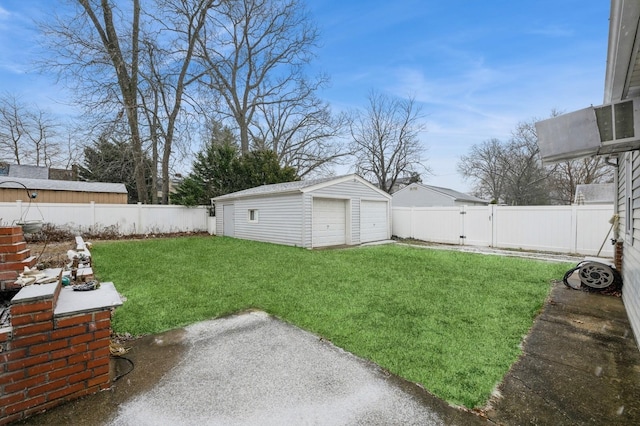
point(279, 219)
point(631, 254)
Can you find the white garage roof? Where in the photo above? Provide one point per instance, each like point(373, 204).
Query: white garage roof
point(297, 186)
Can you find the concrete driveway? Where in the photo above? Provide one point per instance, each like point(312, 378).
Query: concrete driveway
point(251, 369)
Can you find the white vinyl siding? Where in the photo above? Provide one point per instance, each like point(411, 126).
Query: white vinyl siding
point(374, 222)
point(329, 222)
point(279, 219)
point(631, 255)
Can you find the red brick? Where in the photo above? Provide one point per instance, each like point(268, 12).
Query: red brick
point(25, 308)
point(82, 357)
point(21, 406)
point(9, 239)
point(98, 353)
point(28, 330)
point(43, 316)
point(11, 399)
point(68, 332)
point(11, 377)
point(22, 319)
point(99, 343)
point(66, 371)
point(98, 362)
point(47, 366)
point(102, 315)
point(74, 320)
point(63, 353)
point(88, 337)
point(100, 380)
point(48, 347)
point(27, 362)
point(16, 256)
point(103, 325)
point(101, 334)
point(11, 230)
point(67, 391)
point(101, 370)
point(80, 377)
point(30, 340)
point(47, 387)
point(12, 248)
point(12, 355)
point(5, 336)
point(24, 384)
point(8, 275)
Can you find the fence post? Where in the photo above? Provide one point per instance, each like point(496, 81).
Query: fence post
point(19, 208)
point(92, 207)
point(411, 222)
point(463, 213)
point(494, 226)
point(140, 227)
point(573, 239)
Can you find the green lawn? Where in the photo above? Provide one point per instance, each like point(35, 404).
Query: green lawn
point(449, 320)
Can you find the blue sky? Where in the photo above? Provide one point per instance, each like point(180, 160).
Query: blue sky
point(477, 69)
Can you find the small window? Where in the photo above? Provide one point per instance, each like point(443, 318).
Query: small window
point(253, 215)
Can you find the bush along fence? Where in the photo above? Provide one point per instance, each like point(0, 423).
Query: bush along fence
point(579, 229)
point(54, 342)
point(122, 219)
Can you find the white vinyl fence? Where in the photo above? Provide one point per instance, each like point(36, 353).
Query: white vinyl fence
point(125, 219)
point(563, 229)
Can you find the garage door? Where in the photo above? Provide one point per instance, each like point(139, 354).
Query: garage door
point(374, 221)
point(329, 222)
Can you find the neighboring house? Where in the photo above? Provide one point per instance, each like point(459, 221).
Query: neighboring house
point(61, 191)
point(420, 195)
point(345, 210)
point(595, 193)
point(37, 172)
point(612, 130)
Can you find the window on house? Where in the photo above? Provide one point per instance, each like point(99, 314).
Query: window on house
point(253, 215)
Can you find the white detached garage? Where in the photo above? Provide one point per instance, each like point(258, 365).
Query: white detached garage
point(345, 210)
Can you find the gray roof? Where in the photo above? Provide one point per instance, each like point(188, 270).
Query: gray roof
point(595, 193)
point(62, 185)
point(278, 188)
point(298, 186)
point(30, 172)
point(456, 195)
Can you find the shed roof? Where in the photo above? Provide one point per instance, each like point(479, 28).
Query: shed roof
point(297, 186)
point(595, 193)
point(62, 185)
point(451, 193)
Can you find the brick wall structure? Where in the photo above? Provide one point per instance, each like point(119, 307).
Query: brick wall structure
point(56, 348)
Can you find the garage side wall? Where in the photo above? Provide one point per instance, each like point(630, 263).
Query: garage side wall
point(277, 219)
point(629, 199)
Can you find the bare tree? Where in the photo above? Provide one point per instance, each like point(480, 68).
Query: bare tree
point(386, 140)
point(569, 174)
point(255, 52)
point(169, 73)
point(526, 179)
point(100, 55)
point(28, 134)
point(303, 134)
point(483, 165)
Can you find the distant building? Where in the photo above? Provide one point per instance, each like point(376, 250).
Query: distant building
point(18, 182)
point(595, 193)
point(420, 195)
